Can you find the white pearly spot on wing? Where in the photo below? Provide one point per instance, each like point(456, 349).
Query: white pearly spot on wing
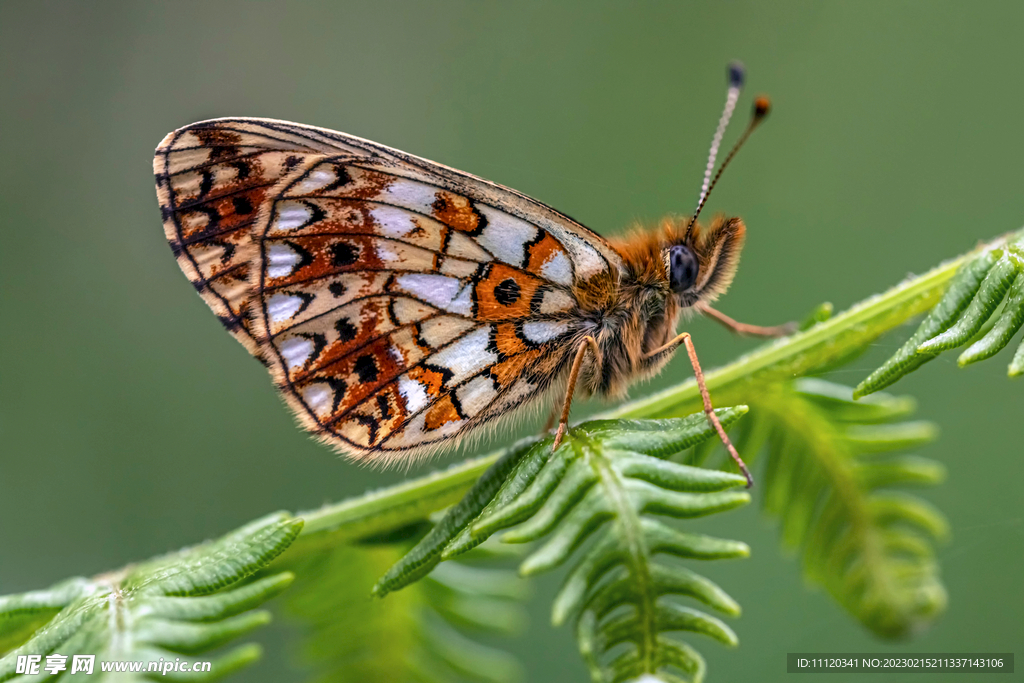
point(321, 177)
point(283, 307)
point(291, 216)
point(463, 303)
point(296, 351)
point(557, 269)
point(506, 236)
point(467, 356)
point(385, 253)
point(446, 293)
point(544, 331)
point(281, 260)
point(319, 397)
point(411, 195)
point(414, 393)
point(392, 221)
point(555, 301)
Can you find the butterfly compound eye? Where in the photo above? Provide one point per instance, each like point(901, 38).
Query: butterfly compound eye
point(682, 268)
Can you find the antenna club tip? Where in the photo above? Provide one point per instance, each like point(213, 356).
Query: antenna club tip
point(737, 74)
point(762, 105)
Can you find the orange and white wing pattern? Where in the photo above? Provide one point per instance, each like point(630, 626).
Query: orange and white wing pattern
point(399, 303)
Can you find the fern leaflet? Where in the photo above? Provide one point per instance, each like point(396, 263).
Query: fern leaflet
point(184, 603)
point(984, 303)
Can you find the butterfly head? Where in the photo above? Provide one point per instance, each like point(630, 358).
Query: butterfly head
point(700, 265)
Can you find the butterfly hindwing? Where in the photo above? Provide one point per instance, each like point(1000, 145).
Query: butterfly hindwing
point(398, 303)
point(212, 181)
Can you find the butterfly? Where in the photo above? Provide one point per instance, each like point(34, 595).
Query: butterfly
point(401, 305)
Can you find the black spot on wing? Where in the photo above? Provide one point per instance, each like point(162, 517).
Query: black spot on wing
point(346, 330)
point(339, 387)
point(206, 183)
point(319, 342)
point(366, 367)
point(507, 292)
point(371, 426)
point(242, 205)
point(342, 178)
point(383, 406)
point(343, 254)
point(243, 168)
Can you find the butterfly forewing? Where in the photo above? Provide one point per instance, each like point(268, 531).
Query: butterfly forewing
point(398, 303)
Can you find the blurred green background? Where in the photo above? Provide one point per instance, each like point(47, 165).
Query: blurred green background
point(133, 424)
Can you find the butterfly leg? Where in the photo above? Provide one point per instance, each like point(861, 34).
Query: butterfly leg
point(709, 410)
point(577, 362)
point(745, 329)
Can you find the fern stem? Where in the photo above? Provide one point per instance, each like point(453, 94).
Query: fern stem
point(639, 560)
point(396, 506)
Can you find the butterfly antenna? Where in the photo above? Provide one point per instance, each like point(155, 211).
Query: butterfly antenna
point(761, 107)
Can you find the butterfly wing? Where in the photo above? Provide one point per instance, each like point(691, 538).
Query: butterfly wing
point(212, 179)
point(398, 303)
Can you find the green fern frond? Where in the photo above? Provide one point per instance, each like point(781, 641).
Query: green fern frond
point(184, 603)
point(427, 634)
point(834, 473)
point(984, 303)
point(608, 480)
